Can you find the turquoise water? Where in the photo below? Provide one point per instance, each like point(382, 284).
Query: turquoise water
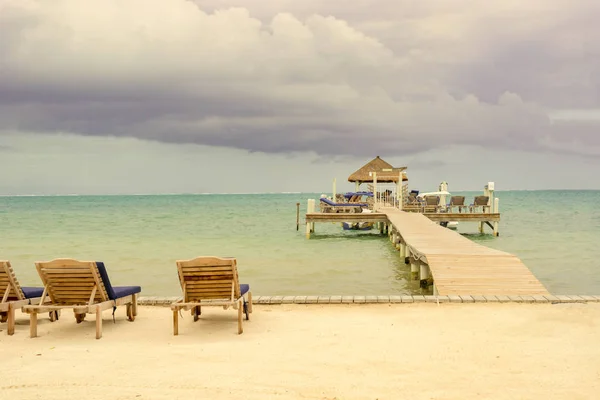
point(140, 237)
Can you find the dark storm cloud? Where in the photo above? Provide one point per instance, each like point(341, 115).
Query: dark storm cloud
point(380, 81)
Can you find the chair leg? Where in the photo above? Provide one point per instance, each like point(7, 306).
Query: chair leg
point(250, 302)
point(175, 322)
point(130, 314)
point(240, 308)
point(33, 324)
point(135, 304)
point(98, 322)
point(11, 320)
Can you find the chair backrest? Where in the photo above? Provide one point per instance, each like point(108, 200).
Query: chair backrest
point(71, 282)
point(481, 200)
point(457, 200)
point(209, 278)
point(432, 200)
point(10, 290)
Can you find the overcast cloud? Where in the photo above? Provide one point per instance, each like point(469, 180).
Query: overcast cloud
point(320, 78)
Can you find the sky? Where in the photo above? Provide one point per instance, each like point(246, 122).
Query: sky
point(221, 96)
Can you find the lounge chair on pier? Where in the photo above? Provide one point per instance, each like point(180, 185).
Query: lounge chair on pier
point(328, 206)
point(432, 204)
point(456, 201)
point(211, 281)
point(412, 203)
point(15, 296)
point(480, 202)
point(83, 286)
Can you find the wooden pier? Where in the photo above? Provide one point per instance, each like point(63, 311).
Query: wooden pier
point(455, 264)
point(442, 258)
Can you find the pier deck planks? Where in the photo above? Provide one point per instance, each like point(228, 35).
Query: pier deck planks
point(460, 266)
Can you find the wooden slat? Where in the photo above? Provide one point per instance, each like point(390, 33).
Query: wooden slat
point(460, 266)
point(71, 282)
point(209, 278)
point(8, 278)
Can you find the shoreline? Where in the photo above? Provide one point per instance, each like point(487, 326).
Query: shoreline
point(392, 299)
point(318, 351)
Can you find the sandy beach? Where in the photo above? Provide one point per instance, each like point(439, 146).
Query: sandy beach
point(387, 351)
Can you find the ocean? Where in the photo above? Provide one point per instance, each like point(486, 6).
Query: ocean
point(555, 233)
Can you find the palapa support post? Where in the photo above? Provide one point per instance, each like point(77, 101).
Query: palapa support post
point(334, 189)
point(297, 216)
point(375, 194)
point(399, 199)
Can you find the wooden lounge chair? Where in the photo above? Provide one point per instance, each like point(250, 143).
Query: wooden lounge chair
point(456, 201)
point(15, 296)
point(211, 281)
point(328, 206)
point(432, 204)
point(412, 203)
point(480, 201)
point(83, 286)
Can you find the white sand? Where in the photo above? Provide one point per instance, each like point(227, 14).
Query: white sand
point(420, 351)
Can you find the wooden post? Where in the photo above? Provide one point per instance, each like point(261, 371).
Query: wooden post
point(375, 191)
point(297, 216)
point(400, 193)
point(414, 269)
point(310, 208)
point(402, 250)
point(334, 190)
point(496, 210)
point(423, 275)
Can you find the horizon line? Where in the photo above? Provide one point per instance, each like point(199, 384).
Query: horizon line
point(262, 193)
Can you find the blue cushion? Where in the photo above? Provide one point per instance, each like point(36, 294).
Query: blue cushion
point(32, 292)
point(123, 291)
point(331, 203)
point(115, 292)
point(244, 288)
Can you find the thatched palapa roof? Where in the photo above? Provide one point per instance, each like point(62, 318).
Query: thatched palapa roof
point(385, 172)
